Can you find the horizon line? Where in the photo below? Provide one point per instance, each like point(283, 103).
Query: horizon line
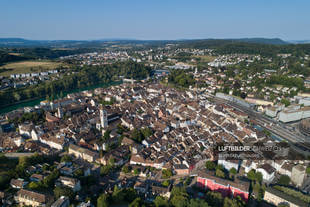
point(142, 39)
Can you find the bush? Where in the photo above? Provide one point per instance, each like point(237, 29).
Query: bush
point(210, 165)
point(284, 180)
point(64, 191)
point(166, 183)
point(125, 169)
point(167, 173)
point(104, 170)
point(102, 201)
point(66, 158)
point(161, 202)
point(219, 173)
point(294, 193)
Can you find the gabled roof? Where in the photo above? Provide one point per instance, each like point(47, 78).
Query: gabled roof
point(237, 183)
point(31, 195)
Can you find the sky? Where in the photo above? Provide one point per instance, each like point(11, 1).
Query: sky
point(154, 19)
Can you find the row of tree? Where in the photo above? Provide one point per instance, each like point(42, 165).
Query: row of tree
point(6, 57)
point(85, 77)
point(10, 168)
point(180, 78)
point(179, 198)
point(235, 46)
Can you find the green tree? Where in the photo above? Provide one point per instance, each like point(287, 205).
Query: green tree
point(130, 194)
point(137, 135)
point(210, 165)
point(66, 158)
point(64, 191)
point(102, 200)
point(180, 78)
point(34, 186)
point(24, 161)
point(228, 202)
point(179, 191)
point(197, 203)
point(111, 161)
point(165, 183)
point(284, 180)
point(4, 181)
point(16, 96)
point(79, 173)
point(118, 195)
point(104, 170)
point(125, 169)
point(106, 135)
point(147, 132)
point(232, 172)
point(285, 102)
point(251, 175)
point(138, 202)
point(258, 176)
point(136, 171)
point(179, 201)
point(219, 167)
point(166, 173)
point(219, 173)
point(50, 179)
point(214, 198)
point(161, 202)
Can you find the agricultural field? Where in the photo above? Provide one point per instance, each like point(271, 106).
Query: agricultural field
point(29, 67)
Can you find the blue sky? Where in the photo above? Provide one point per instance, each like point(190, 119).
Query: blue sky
point(154, 19)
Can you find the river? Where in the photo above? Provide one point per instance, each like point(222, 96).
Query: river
point(37, 101)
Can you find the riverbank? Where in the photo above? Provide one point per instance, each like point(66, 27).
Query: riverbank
point(34, 102)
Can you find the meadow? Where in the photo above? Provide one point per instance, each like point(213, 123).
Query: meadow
point(29, 67)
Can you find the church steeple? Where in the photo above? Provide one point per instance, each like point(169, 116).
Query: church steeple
point(103, 117)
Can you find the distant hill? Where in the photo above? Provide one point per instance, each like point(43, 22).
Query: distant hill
point(17, 41)
point(7, 57)
point(272, 41)
point(299, 41)
point(20, 42)
point(11, 40)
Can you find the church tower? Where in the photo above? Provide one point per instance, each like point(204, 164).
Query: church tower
point(103, 117)
point(60, 112)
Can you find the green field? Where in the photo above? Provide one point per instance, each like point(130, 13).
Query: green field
point(28, 67)
point(205, 58)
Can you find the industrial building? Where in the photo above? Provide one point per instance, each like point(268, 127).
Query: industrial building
point(294, 113)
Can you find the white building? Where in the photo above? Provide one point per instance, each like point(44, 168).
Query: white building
point(267, 171)
point(271, 111)
point(70, 182)
point(304, 101)
point(293, 114)
point(229, 164)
